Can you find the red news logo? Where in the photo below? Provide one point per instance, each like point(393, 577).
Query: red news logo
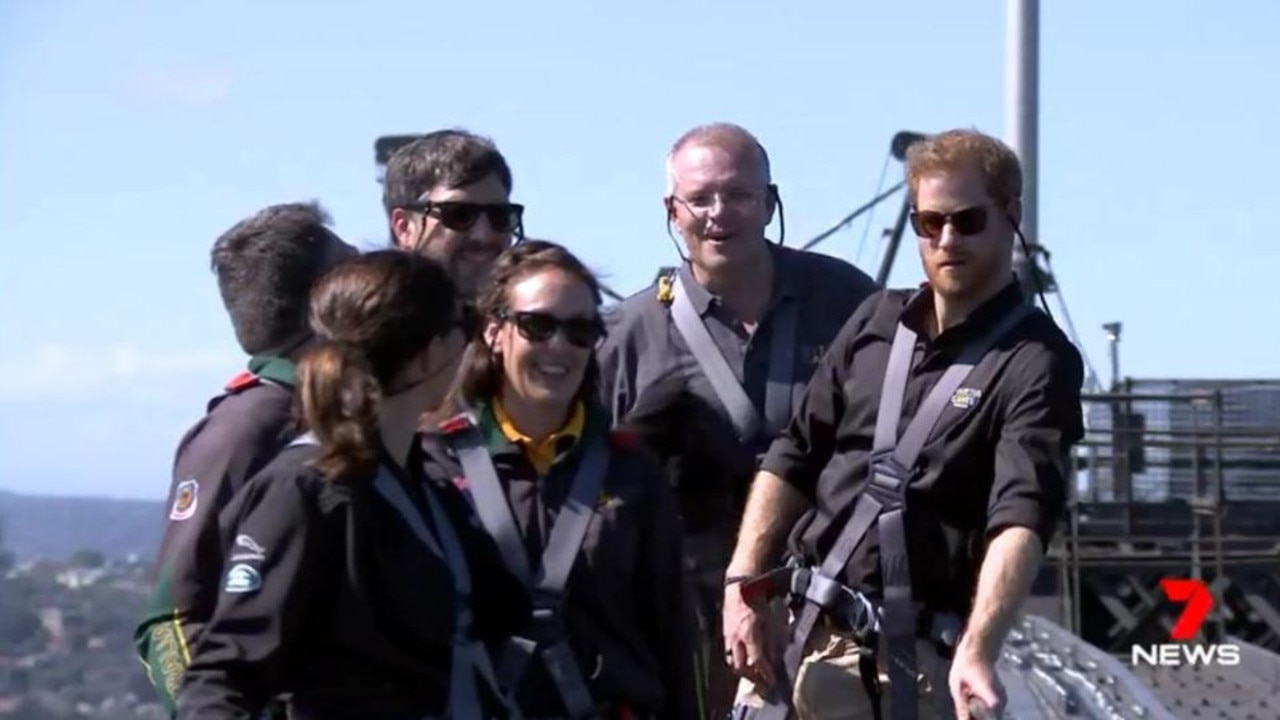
point(1197, 603)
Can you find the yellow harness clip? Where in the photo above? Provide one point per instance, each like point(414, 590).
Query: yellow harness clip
point(665, 294)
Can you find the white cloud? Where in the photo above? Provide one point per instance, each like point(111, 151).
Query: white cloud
point(60, 370)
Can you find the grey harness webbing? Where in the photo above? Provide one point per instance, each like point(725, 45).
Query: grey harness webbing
point(469, 657)
point(777, 402)
point(548, 636)
point(883, 503)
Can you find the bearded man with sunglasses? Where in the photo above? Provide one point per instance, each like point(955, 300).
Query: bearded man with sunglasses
point(447, 195)
point(926, 466)
point(706, 362)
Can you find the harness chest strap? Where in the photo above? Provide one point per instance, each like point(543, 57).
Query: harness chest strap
point(882, 503)
point(547, 581)
point(470, 657)
point(746, 419)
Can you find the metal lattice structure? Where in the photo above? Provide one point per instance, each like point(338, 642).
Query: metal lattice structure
point(1176, 478)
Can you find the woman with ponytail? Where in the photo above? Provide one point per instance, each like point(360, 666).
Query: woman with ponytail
point(581, 513)
point(352, 584)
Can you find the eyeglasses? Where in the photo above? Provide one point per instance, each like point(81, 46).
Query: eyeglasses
point(462, 216)
point(701, 203)
point(539, 327)
point(929, 224)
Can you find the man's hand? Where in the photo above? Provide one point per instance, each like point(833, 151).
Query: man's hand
point(748, 639)
point(974, 676)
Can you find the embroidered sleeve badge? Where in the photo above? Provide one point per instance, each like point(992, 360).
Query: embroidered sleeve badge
point(185, 500)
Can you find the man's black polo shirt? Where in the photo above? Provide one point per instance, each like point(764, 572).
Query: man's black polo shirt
point(651, 380)
point(996, 458)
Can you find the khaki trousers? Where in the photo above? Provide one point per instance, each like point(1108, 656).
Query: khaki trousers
point(829, 682)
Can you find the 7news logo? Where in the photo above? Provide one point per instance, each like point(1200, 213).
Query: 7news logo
point(1197, 603)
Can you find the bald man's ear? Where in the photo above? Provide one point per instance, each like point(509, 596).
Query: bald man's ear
point(771, 202)
point(670, 207)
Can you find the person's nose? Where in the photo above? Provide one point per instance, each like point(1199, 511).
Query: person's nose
point(717, 208)
point(949, 237)
point(484, 233)
point(558, 341)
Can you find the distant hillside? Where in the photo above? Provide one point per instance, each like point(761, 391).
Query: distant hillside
point(36, 526)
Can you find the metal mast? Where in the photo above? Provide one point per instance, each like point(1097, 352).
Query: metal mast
point(1022, 107)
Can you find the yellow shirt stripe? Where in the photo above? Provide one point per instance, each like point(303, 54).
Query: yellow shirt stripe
point(540, 453)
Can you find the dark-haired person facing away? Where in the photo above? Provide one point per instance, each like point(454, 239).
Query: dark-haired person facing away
point(447, 196)
point(266, 266)
point(579, 510)
point(355, 586)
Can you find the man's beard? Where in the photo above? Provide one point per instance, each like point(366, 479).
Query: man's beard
point(470, 274)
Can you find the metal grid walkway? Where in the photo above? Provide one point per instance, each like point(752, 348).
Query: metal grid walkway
point(1050, 673)
point(1248, 691)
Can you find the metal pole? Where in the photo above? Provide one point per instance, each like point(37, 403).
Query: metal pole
point(895, 239)
point(1119, 442)
point(1112, 330)
point(1022, 103)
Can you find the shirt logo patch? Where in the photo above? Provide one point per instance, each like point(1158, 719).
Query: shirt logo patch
point(185, 500)
point(251, 550)
point(242, 579)
point(965, 398)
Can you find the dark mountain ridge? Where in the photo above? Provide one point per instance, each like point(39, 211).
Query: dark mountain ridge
point(54, 527)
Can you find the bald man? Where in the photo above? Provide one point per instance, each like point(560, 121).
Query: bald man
point(707, 363)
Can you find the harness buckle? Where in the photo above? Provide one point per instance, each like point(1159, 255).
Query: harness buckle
point(887, 483)
point(546, 623)
point(847, 609)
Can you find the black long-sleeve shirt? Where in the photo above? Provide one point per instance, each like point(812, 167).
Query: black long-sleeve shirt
point(996, 460)
point(329, 597)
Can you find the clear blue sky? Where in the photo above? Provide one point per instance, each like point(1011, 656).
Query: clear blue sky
point(132, 133)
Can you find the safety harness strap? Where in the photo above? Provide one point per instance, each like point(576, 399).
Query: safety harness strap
point(546, 583)
point(470, 657)
point(777, 402)
point(883, 503)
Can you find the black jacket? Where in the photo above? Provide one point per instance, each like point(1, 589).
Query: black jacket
point(628, 617)
point(329, 597)
point(242, 431)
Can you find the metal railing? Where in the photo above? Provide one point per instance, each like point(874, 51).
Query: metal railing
point(1173, 472)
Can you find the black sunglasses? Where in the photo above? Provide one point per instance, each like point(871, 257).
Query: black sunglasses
point(462, 216)
point(929, 224)
point(539, 327)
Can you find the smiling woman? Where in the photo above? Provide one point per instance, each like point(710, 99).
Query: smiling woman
point(577, 508)
point(542, 324)
point(542, 313)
